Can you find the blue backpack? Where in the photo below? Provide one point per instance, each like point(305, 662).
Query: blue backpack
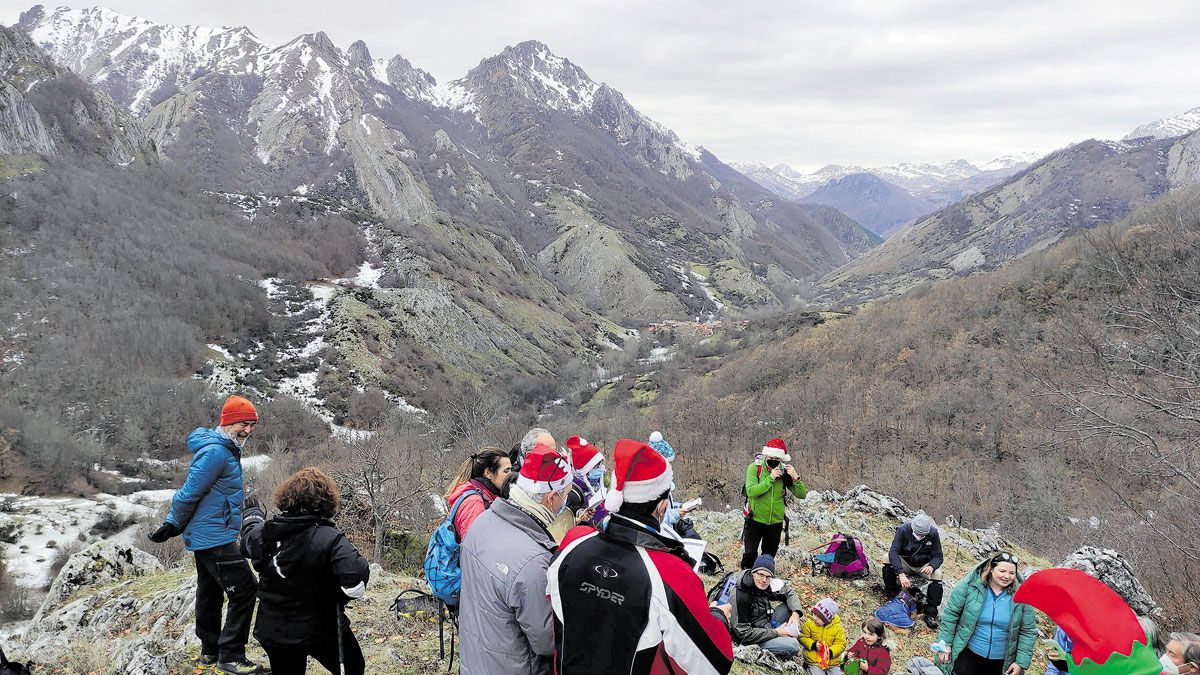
point(441, 558)
point(898, 611)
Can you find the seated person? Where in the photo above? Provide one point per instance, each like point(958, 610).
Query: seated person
point(763, 610)
point(916, 553)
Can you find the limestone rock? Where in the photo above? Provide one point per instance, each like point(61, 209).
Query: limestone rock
point(864, 499)
point(102, 562)
point(1108, 566)
point(755, 655)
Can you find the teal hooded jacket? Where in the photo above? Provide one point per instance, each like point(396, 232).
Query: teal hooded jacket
point(961, 615)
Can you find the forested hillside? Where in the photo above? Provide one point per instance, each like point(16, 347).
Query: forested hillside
point(1055, 397)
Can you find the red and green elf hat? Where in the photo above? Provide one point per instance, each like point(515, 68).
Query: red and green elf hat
point(1106, 636)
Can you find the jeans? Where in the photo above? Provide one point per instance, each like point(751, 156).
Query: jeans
point(783, 647)
point(222, 573)
point(294, 660)
point(756, 533)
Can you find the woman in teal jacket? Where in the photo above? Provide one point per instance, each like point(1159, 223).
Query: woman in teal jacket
point(987, 633)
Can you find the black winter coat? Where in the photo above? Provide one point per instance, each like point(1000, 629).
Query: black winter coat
point(918, 553)
point(303, 563)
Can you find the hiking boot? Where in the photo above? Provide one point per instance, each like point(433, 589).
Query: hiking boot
point(207, 660)
point(239, 667)
point(931, 621)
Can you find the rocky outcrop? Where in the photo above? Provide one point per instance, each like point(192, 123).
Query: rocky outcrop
point(46, 110)
point(755, 655)
point(102, 562)
point(1108, 566)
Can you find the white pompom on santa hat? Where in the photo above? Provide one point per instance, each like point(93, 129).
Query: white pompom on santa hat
point(776, 449)
point(544, 470)
point(584, 455)
point(640, 475)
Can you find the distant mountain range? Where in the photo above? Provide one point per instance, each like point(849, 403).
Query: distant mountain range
point(880, 206)
point(613, 206)
point(1073, 189)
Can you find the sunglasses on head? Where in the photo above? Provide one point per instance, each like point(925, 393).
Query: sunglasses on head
point(1005, 557)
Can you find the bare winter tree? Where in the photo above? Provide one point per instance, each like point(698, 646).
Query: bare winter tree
point(477, 417)
point(385, 474)
point(1129, 399)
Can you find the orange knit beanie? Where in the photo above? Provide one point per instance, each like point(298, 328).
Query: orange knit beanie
point(237, 409)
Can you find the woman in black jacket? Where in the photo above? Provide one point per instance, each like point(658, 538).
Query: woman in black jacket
point(307, 571)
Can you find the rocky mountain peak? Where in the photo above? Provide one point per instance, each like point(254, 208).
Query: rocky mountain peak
point(359, 57)
point(533, 72)
point(406, 77)
point(1170, 127)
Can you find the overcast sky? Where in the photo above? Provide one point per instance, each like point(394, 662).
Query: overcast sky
point(803, 82)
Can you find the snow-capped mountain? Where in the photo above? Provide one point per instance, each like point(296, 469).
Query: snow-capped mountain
point(610, 201)
point(939, 183)
point(1170, 127)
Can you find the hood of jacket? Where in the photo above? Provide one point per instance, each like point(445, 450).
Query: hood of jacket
point(285, 526)
point(205, 436)
point(633, 531)
point(483, 485)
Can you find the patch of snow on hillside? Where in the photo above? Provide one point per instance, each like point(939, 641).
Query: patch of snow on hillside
point(43, 524)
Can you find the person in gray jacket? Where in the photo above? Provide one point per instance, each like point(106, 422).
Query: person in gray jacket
point(505, 618)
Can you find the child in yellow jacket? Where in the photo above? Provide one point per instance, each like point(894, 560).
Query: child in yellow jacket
point(823, 639)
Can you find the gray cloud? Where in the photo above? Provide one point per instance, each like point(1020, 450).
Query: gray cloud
point(802, 81)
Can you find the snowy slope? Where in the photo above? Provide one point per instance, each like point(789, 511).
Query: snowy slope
point(1170, 127)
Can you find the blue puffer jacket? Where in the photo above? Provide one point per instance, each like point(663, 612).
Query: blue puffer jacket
point(209, 505)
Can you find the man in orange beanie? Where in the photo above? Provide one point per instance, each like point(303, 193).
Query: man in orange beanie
point(207, 510)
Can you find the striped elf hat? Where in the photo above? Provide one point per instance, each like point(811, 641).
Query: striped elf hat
point(1105, 634)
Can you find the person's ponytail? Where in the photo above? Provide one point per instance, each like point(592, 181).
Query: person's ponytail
point(475, 465)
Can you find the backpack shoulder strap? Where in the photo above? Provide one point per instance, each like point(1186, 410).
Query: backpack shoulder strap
point(457, 503)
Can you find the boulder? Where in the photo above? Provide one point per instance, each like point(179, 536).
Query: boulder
point(753, 654)
point(1108, 566)
point(101, 563)
point(866, 500)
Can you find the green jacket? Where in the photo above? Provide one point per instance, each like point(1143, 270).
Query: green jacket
point(765, 494)
point(962, 613)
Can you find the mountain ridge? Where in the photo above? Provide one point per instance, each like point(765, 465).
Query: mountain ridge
point(498, 145)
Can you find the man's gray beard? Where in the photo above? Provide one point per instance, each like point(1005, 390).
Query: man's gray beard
point(240, 444)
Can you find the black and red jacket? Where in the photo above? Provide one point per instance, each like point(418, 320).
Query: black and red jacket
point(626, 600)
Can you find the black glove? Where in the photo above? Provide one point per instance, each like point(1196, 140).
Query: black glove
point(251, 502)
point(163, 533)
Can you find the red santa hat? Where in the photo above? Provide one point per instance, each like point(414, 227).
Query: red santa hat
point(584, 455)
point(544, 470)
point(640, 475)
point(776, 449)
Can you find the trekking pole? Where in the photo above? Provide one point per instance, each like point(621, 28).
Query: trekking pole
point(341, 649)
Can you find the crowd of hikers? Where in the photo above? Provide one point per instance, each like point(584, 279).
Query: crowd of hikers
point(552, 560)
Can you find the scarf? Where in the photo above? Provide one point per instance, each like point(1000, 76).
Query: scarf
point(521, 499)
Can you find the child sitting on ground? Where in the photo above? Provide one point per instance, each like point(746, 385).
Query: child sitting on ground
point(873, 656)
point(823, 639)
